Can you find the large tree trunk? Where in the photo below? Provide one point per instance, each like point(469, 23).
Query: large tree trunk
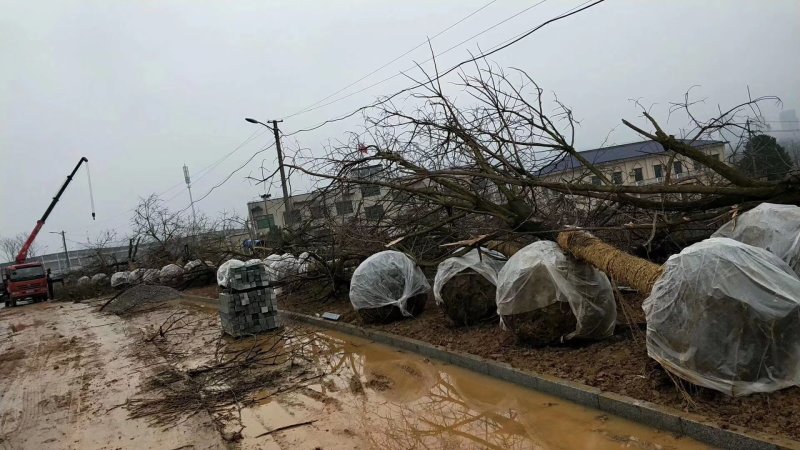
point(621, 267)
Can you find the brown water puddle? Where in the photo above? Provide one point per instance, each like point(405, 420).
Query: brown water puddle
point(374, 396)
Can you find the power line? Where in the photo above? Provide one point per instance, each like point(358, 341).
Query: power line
point(204, 171)
point(486, 30)
point(394, 60)
point(572, 11)
point(228, 177)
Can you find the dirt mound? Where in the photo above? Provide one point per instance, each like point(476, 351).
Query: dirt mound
point(140, 298)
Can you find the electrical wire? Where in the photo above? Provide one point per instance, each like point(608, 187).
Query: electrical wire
point(572, 11)
point(307, 108)
point(484, 31)
point(204, 171)
point(228, 177)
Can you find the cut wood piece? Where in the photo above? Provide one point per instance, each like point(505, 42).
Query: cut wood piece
point(621, 267)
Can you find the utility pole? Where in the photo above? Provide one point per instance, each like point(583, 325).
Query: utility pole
point(64, 241)
point(191, 200)
point(287, 201)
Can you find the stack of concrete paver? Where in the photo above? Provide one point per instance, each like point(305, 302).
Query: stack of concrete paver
point(249, 305)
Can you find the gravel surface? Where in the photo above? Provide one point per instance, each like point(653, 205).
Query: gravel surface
point(141, 297)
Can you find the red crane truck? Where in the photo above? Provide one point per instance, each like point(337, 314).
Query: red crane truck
point(23, 280)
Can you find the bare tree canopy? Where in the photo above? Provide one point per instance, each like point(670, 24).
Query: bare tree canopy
point(11, 246)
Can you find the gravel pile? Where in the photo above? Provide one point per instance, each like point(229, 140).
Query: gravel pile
point(139, 297)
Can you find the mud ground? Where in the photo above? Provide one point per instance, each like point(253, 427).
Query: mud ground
point(619, 364)
point(70, 374)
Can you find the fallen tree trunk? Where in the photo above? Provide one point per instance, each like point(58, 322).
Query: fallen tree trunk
point(621, 267)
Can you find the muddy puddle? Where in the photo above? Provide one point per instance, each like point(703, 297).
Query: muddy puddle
point(373, 396)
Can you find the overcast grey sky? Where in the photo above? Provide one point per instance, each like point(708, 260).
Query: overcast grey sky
point(140, 87)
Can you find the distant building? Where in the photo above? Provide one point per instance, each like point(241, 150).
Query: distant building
point(339, 201)
point(634, 164)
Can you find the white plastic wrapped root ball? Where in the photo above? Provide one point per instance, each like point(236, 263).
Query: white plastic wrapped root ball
point(150, 276)
point(100, 279)
point(304, 262)
point(171, 274)
point(224, 271)
point(769, 226)
point(464, 286)
point(84, 281)
point(119, 279)
point(387, 286)
point(192, 265)
point(546, 296)
point(726, 315)
point(136, 276)
point(252, 261)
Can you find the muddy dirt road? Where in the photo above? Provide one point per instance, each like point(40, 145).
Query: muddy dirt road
point(64, 371)
point(67, 373)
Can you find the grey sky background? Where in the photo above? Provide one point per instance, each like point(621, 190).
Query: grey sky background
point(140, 88)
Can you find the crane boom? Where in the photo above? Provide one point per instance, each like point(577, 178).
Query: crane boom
point(23, 252)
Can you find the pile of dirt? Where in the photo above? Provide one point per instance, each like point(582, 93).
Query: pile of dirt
point(468, 298)
point(619, 364)
point(140, 298)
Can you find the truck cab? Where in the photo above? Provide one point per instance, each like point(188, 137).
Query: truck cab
point(23, 281)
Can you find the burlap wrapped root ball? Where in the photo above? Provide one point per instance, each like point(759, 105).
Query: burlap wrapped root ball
point(769, 226)
point(464, 286)
point(388, 286)
point(545, 296)
point(726, 315)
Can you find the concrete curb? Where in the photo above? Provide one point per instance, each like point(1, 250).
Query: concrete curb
point(650, 414)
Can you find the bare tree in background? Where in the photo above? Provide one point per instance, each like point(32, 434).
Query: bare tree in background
point(11, 246)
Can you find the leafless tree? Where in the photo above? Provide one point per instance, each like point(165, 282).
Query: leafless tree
point(11, 246)
point(485, 162)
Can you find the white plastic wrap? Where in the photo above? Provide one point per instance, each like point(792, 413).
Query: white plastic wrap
point(170, 273)
point(150, 275)
point(223, 273)
point(136, 275)
point(541, 274)
point(387, 278)
point(192, 265)
point(84, 280)
point(769, 226)
point(484, 261)
point(304, 263)
point(100, 278)
point(726, 315)
point(120, 279)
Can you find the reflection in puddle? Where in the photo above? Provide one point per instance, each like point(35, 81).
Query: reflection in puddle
point(393, 400)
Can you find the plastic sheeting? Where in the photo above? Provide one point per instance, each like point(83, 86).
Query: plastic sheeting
point(150, 275)
point(224, 271)
point(726, 315)
point(387, 278)
point(192, 265)
point(541, 274)
point(170, 273)
point(484, 261)
point(100, 278)
point(120, 279)
point(769, 226)
point(84, 280)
